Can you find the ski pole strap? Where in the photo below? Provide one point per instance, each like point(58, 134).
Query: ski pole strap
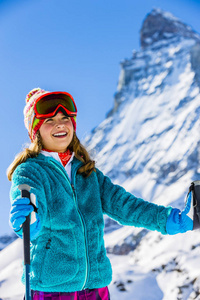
point(34, 207)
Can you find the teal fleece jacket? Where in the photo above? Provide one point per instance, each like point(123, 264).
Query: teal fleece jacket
point(69, 253)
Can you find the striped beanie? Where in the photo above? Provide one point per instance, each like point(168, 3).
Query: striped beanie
point(31, 122)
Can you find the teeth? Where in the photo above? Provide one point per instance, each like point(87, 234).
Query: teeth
point(59, 134)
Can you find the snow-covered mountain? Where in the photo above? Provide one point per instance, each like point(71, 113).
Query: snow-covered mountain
point(149, 143)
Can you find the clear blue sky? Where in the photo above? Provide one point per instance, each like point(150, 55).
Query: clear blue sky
point(75, 46)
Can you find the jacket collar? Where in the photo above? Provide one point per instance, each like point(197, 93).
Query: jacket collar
point(75, 162)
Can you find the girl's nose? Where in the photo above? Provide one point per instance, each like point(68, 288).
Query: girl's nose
point(60, 124)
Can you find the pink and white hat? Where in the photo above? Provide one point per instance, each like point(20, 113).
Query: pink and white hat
point(32, 123)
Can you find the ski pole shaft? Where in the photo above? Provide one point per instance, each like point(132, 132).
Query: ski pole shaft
point(25, 192)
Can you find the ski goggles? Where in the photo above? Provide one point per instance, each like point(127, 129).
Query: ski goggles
point(48, 104)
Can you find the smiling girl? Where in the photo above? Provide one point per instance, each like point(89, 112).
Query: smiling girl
point(69, 196)
point(57, 133)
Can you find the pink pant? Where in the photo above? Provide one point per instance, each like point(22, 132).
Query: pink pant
point(95, 294)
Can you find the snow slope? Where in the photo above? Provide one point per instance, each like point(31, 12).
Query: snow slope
point(10, 272)
point(149, 143)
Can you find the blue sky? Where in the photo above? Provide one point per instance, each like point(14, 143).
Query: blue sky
point(75, 46)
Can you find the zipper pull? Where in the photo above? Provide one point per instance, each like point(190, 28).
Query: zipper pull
point(73, 188)
point(48, 244)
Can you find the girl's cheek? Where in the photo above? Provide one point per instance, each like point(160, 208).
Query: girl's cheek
point(48, 126)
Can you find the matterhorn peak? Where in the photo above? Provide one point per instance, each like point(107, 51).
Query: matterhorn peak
point(161, 25)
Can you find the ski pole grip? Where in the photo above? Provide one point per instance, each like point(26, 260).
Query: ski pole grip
point(25, 193)
point(195, 187)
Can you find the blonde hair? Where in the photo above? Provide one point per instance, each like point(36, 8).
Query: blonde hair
point(36, 146)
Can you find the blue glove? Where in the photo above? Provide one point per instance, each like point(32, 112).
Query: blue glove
point(21, 208)
point(180, 222)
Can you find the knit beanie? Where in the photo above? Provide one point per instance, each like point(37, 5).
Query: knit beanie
point(31, 122)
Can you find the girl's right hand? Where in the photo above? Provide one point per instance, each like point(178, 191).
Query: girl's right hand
point(21, 208)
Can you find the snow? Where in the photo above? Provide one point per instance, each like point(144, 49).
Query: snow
point(165, 14)
point(158, 79)
point(133, 280)
point(11, 272)
point(174, 50)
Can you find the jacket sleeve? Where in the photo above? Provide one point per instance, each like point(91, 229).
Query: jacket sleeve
point(26, 173)
point(127, 209)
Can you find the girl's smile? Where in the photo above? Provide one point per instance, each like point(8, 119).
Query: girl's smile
point(57, 132)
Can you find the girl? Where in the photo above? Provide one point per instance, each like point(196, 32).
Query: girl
point(68, 199)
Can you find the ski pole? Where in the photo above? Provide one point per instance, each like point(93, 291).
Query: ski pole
point(25, 192)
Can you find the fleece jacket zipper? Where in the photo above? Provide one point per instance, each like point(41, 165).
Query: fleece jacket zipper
point(73, 189)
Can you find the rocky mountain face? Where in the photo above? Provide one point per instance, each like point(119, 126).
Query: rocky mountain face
point(148, 143)
point(159, 25)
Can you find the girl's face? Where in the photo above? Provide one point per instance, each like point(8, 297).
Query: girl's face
point(56, 133)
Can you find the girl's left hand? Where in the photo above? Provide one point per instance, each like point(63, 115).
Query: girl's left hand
point(180, 222)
